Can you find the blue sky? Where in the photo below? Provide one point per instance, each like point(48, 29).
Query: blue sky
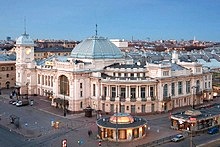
point(142, 19)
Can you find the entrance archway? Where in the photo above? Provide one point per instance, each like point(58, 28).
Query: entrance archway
point(7, 84)
point(63, 85)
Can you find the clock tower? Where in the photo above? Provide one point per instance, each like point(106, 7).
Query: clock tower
point(25, 65)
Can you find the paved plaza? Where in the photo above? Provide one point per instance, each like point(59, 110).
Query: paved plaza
point(36, 125)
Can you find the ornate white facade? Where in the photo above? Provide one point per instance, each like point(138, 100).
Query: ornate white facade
point(98, 74)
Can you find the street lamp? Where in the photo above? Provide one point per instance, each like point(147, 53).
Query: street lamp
point(64, 101)
point(116, 123)
point(27, 89)
point(119, 100)
point(193, 96)
point(64, 106)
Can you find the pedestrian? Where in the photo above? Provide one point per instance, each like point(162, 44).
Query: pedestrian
point(89, 133)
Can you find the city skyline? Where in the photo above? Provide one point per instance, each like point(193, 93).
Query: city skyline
point(140, 20)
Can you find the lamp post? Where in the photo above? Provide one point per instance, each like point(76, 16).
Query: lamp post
point(191, 136)
point(64, 100)
point(27, 89)
point(193, 96)
point(116, 123)
point(119, 104)
point(64, 106)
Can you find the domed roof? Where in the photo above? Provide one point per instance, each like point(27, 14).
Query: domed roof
point(96, 48)
point(121, 118)
point(24, 39)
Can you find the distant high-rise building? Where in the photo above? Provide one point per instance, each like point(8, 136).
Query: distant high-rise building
point(8, 38)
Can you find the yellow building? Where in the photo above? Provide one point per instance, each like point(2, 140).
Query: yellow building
point(7, 71)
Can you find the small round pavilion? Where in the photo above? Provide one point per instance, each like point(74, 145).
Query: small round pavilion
point(121, 127)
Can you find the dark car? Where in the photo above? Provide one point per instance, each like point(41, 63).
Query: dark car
point(12, 101)
point(213, 130)
point(177, 138)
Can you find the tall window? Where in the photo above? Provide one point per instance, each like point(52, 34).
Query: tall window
point(188, 86)
point(180, 91)
point(48, 80)
point(45, 80)
point(51, 81)
point(38, 78)
point(143, 92)
point(81, 85)
point(64, 85)
point(173, 89)
point(81, 93)
point(122, 92)
point(133, 93)
point(105, 91)
point(93, 89)
point(113, 92)
point(151, 91)
point(197, 85)
point(42, 79)
point(132, 108)
point(7, 75)
point(165, 90)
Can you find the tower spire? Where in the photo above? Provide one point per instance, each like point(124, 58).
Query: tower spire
point(25, 26)
point(96, 32)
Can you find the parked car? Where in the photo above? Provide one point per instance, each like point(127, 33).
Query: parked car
point(22, 103)
point(177, 138)
point(213, 130)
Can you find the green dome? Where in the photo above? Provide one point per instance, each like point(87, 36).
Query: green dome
point(96, 48)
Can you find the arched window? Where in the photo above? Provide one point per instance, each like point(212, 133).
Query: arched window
point(165, 90)
point(64, 85)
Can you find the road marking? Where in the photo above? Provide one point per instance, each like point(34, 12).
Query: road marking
point(49, 112)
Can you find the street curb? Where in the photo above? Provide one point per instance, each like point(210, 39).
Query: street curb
point(206, 144)
point(20, 133)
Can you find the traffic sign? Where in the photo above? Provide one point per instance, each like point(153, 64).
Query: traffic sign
point(64, 143)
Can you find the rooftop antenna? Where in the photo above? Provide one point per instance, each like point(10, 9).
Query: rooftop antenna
point(96, 30)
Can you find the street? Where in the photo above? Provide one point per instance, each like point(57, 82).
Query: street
point(35, 127)
point(197, 141)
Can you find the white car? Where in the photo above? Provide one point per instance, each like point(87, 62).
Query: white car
point(177, 138)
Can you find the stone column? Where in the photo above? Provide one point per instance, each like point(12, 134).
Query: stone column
point(126, 92)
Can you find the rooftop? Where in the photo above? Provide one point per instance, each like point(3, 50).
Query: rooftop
point(199, 114)
point(128, 122)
